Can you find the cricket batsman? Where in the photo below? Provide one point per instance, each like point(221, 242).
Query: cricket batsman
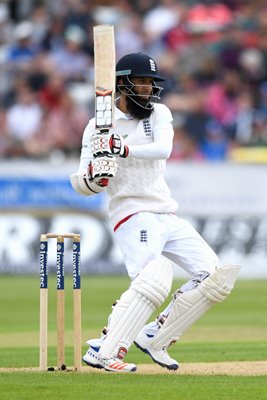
point(128, 163)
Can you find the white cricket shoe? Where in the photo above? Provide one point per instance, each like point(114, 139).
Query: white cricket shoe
point(93, 359)
point(160, 357)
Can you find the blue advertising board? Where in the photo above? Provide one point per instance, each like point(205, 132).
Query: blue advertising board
point(45, 193)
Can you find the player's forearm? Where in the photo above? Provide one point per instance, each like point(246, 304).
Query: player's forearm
point(159, 149)
point(152, 151)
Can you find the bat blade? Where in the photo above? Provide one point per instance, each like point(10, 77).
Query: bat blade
point(104, 66)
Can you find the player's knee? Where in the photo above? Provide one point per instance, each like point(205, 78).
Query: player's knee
point(219, 285)
point(154, 281)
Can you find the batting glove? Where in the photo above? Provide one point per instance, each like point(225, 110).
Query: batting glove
point(108, 145)
point(100, 170)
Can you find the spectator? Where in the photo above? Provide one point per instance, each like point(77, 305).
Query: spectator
point(3, 134)
point(214, 145)
point(246, 114)
point(18, 84)
point(252, 68)
point(23, 122)
point(230, 47)
point(70, 61)
point(47, 47)
point(52, 93)
point(185, 148)
point(5, 27)
point(40, 22)
point(53, 39)
point(221, 98)
point(62, 127)
point(23, 51)
point(158, 21)
point(80, 14)
point(262, 103)
point(130, 31)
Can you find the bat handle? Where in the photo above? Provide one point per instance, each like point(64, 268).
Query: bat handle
point(104, 131)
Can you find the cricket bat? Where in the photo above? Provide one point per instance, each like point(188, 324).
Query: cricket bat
point(104, 67)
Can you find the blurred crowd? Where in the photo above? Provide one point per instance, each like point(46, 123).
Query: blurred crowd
point(212, 54)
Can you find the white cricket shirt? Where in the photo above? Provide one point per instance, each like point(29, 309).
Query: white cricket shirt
point(139, 184)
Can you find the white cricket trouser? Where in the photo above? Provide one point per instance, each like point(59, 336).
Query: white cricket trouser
point(146, 236)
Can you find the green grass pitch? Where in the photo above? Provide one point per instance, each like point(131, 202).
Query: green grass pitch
point(235, 330)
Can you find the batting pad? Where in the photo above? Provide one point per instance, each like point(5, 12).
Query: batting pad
point(189, 306)
point(147, 292)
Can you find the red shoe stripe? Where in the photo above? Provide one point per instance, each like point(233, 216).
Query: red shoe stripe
point(114, 365)
point(122, 366)
point(118, 365)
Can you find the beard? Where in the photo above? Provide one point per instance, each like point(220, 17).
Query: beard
point(137, 111)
